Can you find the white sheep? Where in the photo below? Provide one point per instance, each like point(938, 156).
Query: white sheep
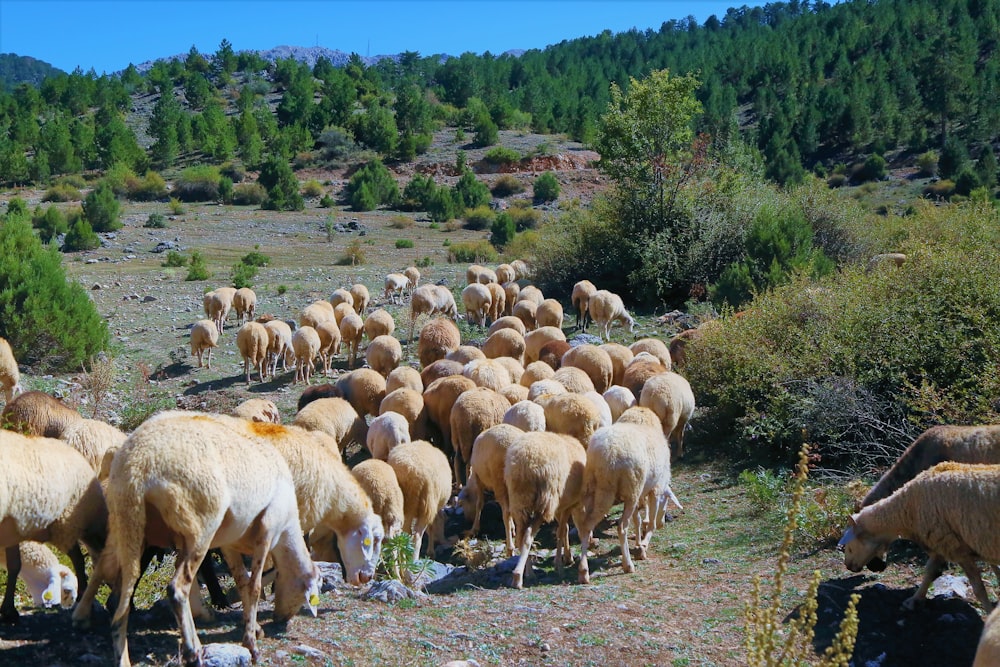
point(949, 510)
point(424, 476)
point(219, 303)
point(602, 407)
point(574, 379)
point(329, 343)
point(93, 439)
point(474, 411)
point(621, 357)
point(195, 473)
point(525, 415)
point(439, 398)
point(505, 273)
point(535, 371)
point(535, 340)
point(437, 338)
point(279, 345)
point(498, 301)
point(521, 269)
point(507, 322)
point(395, 284)
point(605, 308)
point(463, 354)
point(580, 298)
point(532, 294)
point(549, 314)
point(341, 295)
point(488, 373)
point(362, 297)
point(511, 290)
point(258, 410)
point(342, 310)
point(619, 399)
point(549, 387)
point(10, 376)
point(895, 259)
point(352, 328)
point(362, 388)
point(486, 469)
point(988, 650)
point(48, 581)
point(385, 433)
point(252, 341)
point(515, 393)
point(571, 414)
point(655, 347)
point(477, 299)
point(245, 304)
point(410, 404)
point(513, 366)
point(412, 274)
point(594, 361)
point(378, 479)
point(526, 311)
point(404, 376)
point(305, 344)
point(669, 395)
point(204, 336)
point(336, 418)
point(384, 354)
point(314, 313)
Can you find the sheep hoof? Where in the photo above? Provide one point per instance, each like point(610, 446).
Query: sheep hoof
point(516, 580)
point(628, 568)
point(909, 604)
point(584, 577)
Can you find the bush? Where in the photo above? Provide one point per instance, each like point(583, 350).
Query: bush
point(424, 262)
point(967, 181)
point(225, 190)
point(873, 169)
point(117, 176)
point(199, 183)
point(506, 186)
point(326, 201)
point(502, 231)
point(150, 188)
point(479, 218)
point(198, 269)
point(156, 221)
point(255, 258)
point(81, 236)
point(101, 209)
point(49, 321)
point(400, 222)
point(312, 188)
point(175, 206)
point(442, 206)
point(472, 251)
point(242, 275)
point(282, 187)
point(927, 163)
point(837, 181)
point(470, 192)
point(235, 172)
point(62, 192)
point(249, 194)
point(403, 243)
point(524, 216)
point(354, 254)
point(372, 186)
point(546, 188)
point(418, 193)
point(942, 189)
point(50, 224)
point(501, 155)
point(487, 132)
point(174, 259)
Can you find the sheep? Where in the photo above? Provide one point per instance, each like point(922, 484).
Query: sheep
point(574, 379)
point(511, 290)
point(340, 296)
point(48, 581)
point(410, 404)
point(949, 510)
point(314, 313)
point(619, 399)
point(439, 397)
point(352, 327)
point(571, 414)
point(896, 259)
point(515, 393)
point(543, 473)
point(214, 474)
point(385, 433)
point(534, 340)
point(483, 275)
point(526, 311)
point(988, 650)
point(472, 274)
point(316, 392)
point(640, 369)
point(521, 269)
point(258, 410)
point(545, 387)
point(655, 347)
point(669, 395)
point(384, 354)
point(678, 345)
point(342, 310)
point(219, 304)
point(595, 362)
point(606, 307)
point(378, 479)
point(305, 344)
point(245, 304)
point(364, 389)
point(252, 341)
point(10, 376)
point(525, 415)
point(424, 475)
point(329, 343)
point(498, 301)
point(204, 336)
point(549, 314)
point(473, 412)
point(430, 300)
point(361, 298)
point(463, 354)
point(379, 323)
point(439, 369)
point(621, 357)
point(437, 338)
point(487, 373)
point(93, 439)
point(486, 473)
point(395, 283)
point(625, 462)
point(477, 300)
point(412, 274)
point(642, 416)
point(34, 507)
point(505, 273)
point(580, 298)
point(404, 376)
point(535, 371)
point(552, 353)
point(37, 413)
point(603, 409)
point(532, 294)
point(336, 418)
point(507, 322)
point(513, 366)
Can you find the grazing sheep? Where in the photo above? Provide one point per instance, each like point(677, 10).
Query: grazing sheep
point(521, 269)
point(258, 410)
point(549, 314)
point(439, 398)
point(619, 399)
point(487, 373)
point(404, 376)
point(463, 354)
point(437, 338)
point(473, 412)
point(440, 369)
point(48, 581)
point(314, 313)
point(305, 344)
point(574, 379)
point(472, 273)
point(352, 328)
point(498, 301)
point(219, 304)
point(507, 322)
point(642, 416)
point(678, 345)
point(545, 387)
point(486, 469)
point(245, 305)
point(513, 367)
point(93, 439)
point(378, 479)
point(511, 290)
point(505, 273)
point(582, 291)
point(37, 413)
point(640, 369)
point(395, 284)
point(535, 371)
point(424, 476)
point(329, 343)
point(593, 361)
point(621, 357)
point(988, 650)
point(204, 336)
point(526, 416)
point(336, 418)
point(430, 300)
point(949, 510)
point(361, 298)
point(625, 462)
point(477, 300)
point(279, 344)
point(412, 274)
point(384, 354)
point(544, 477)
point(534, 340)
point(10, 376)
point(515, 393)
point(362, 388)
point(531, 293)
point(385, 433)
point(669, 395)
point(526, 311)
point(603, 409)
point(410, 404)
point(316, 392)
point(50, 493)
point(342, 310)
point(571, 414)
point(379, 323)
point(552, 353)
point(340, 296)
point(606, 307)
point(655, 347)
point(896, 259)
point(252, 341)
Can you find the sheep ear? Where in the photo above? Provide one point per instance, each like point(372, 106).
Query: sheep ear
point(848, 536)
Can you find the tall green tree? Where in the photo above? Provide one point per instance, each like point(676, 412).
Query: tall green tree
point(282, 187)
point(101, 208)
point(163, 128)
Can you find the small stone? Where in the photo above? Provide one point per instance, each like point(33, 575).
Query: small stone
point(225, 655)
point(148, 298)
point(309, 652)
point(91, 261)
point(545, 647)
point(711, 561)
point(96, 286)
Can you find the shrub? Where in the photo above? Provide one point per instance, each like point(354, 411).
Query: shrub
point(424, 262)
point(312, 188)
point(470, 192)
point(118, 176)
point(101, 209)
point(942, 189)
point(199, 183)
point(927, 163)
point(524, 216)
point(174, 259)
point(873, 169)
point(400, 222)
point(837, 181)
point(472, 251)
point(353, 255)
point(546, 188)
point(501, 155)
point(225, 190)
point(506, 186)
point(49, 321)
point(198, 269)
point(404, 243)
point(487, 132)
point(502, 231)
point(234, 171)
point(453, 225)
point(967, 181)
point(255, 258)
point(282, 187)
point(282, 289)
point(954, 157)
point(72, 180)
point(50, 224)
point(249, 194)
point(479, 218)
point(372, 186)
point(242, 275)
point(417, 193)
point(156, 221)
point(326, 201)
point(150, 188)
point(62, 192)
point(81, 236)
point(175, 206)
point(442, 206)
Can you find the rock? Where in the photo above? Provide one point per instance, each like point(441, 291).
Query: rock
point(96, 286)
point(711, 561)
point(225, 655)
point(390, 591)
point(331, 574)
point(584, 339)
point(148, 298)
point(950, 585)
point(90, 261)
point(310, 652)
point(164, 246)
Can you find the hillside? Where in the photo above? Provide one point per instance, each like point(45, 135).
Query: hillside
point(15, 69)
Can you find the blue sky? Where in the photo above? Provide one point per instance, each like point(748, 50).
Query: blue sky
point(107, 35)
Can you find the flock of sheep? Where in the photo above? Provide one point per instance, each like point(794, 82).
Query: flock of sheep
point(554, 431)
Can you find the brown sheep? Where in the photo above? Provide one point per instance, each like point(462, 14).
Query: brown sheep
point(305, 344)
point(437, 338)
point(252, 341)
point(552, 353)
point(474, 411)
point(621, 357)
point(582, 292)
point(38, 413)
point(639, 370)
point(439, 398)
point(440, 369)
point(549, 314)
point(593, 361)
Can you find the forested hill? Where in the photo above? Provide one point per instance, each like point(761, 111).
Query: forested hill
point(812, 84)
point(15, 69)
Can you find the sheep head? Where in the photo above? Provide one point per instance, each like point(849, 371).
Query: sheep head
point(287, 588)
point(861, 549)
point(360, 548)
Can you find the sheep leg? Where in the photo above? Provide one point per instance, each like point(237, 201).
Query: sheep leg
point(508, 528)
point(79, 567)
point(525, 541)
point(249, 585)
point(215, 593)
point(972, 571)
point(628, 511)
point(128, 557)
point(932, 570)
point(8, 612)
point(178, 594)
point(585, 529)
